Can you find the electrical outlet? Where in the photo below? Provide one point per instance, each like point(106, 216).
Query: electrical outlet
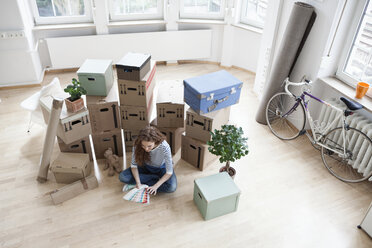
point(12, 34)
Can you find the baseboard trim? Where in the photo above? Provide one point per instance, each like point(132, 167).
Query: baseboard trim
point(13, 87)
point(198, 62)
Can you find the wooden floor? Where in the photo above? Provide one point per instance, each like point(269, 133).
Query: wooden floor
point(288, 198)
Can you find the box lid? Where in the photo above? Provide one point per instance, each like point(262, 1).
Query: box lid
point(216, 82)
point(112, 97)
point(92, 66)
point(217, 186)
point(133, 60)
point(65, 117)
point(70, 162)
point(170, 91)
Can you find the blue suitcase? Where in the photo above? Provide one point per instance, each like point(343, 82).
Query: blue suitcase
point(213, 91)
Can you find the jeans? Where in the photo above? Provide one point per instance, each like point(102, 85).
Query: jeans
point(150, 175)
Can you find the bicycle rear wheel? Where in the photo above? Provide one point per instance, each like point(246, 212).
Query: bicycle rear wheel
point(356, 165)
point(283, 115)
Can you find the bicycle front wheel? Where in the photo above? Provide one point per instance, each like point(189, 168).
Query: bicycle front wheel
point(351, 162)
point(283, 115)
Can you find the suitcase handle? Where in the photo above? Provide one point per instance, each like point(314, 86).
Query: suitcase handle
point(216, 102)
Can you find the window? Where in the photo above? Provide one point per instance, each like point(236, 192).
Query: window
point(61, 11)
point(202, 9)
point(356, 63)
point(136, 9)
point(253, 12)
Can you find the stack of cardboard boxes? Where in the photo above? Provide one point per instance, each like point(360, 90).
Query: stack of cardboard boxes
point(170, 110)
point(209, 97)
point(136, 83)
point(73, 139)
point(96, 76)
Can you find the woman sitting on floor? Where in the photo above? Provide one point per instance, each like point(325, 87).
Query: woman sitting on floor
point(151, 163)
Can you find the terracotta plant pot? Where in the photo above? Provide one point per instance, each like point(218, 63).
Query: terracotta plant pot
point(230, 170)
point(75, 105)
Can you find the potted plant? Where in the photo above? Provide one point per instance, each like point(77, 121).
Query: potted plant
point(74, 103)
point(229, 144)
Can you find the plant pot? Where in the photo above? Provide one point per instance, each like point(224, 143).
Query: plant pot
point(74, 106)
point(230, 170)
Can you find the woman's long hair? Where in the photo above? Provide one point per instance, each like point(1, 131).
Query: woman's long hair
point(150, 134)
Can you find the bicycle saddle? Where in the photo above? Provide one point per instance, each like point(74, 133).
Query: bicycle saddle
point(350, 104)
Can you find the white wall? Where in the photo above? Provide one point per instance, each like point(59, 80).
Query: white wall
point(19, 62)
point(246, 47)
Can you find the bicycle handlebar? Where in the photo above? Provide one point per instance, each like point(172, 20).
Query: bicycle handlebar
point(288, 83)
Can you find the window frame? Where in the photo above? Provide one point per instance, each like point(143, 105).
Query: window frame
point(247, 21)
point(40, 20)
point(349, 41)
point(137, 17)
point(205, 16)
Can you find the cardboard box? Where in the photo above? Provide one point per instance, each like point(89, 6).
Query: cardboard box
point(96, 76)
point(196, 153)
point(133, 66)
point(104, 111)
point(200, 126)
point(102, 141)
point(70, 167)
point(129, 137)
point(212, 91)
point(72, 126)
point(74, 189)
point(79, 146)
point(173, 135)
point(170, 114)
point(216, 195)
point(138, 93)
point(169, 104)
point(134, 117)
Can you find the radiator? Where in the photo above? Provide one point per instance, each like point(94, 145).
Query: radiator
point(363, 163)
point(70, 52)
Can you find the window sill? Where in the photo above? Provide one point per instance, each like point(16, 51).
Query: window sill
point(348, 91)
point(63, 26)
point(201, 21)
point(135, 23)
point(248, 27)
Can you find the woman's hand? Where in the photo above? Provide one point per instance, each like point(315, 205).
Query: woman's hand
point(152, 189)
point(138, 185)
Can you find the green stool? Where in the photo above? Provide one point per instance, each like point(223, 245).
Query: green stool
point(96, 76)
point(216, 195)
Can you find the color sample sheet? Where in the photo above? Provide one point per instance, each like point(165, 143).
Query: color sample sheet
point(138, 195)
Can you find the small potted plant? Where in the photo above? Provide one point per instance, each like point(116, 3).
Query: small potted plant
point(229, 144)
point(74, 103)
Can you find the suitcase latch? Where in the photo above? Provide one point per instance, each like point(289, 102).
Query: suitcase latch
point(233, 90)
point(210, 97)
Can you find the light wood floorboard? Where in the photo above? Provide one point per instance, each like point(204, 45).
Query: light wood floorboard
point(288, 198)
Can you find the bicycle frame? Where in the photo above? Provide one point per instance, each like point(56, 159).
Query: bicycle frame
point(314, 139)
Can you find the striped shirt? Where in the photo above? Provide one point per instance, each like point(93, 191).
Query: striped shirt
point(159, 155)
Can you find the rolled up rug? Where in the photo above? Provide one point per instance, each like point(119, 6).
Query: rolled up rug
point(298, 28)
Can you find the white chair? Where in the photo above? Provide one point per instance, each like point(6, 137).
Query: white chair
point(32, 103)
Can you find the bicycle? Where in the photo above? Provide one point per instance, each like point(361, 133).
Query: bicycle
point(339, 146)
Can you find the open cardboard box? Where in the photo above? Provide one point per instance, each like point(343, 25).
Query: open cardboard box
point(72, 126)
